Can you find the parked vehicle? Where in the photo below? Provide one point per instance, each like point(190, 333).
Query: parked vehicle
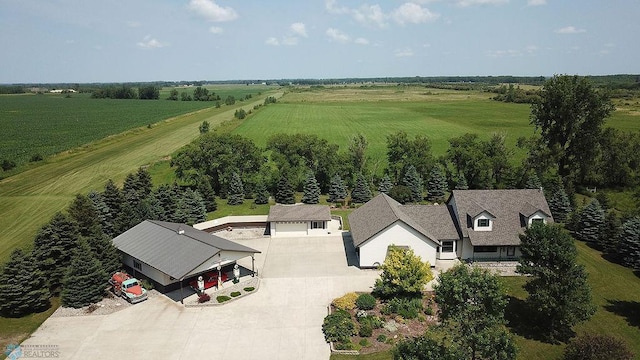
point(128, 287)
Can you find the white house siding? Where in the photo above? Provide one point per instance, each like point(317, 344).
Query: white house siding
point(374, 251)
point(226, 257)
point(501, 253)
point(467, 249)
point(288, 229)
point(148, 271)
point(318, 232)
point(536, 215)
point(483, 215)
point(449, 255)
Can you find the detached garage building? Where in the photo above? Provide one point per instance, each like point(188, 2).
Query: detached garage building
point(170, 253)
point(299, 220)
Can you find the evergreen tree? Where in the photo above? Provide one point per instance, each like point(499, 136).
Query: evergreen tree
point(128, 217)
point(53, 247)
point(149, 209)
point(262, 195)
point(130, 190)
point(108, 255)
point(610, 236)
point(533, 182)
point(80, 286)
point(167, 197)
point(236, 190)
point(385, 185)
point(208, 194)
point(559, 203)
point(461, 183)
point(591, 223)
point(311, 191)
point(413, 181)
point(112, 197)
point(361, 192)
point(285, 194)
point(437, 186)
point(190, 208)
point(84, 213)
point(559, 294)
point(630, 243)
point(144, 185)
point(103, 212)
point(337, 191)
point(23, 287)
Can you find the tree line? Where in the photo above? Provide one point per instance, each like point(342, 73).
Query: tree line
point(73, 255)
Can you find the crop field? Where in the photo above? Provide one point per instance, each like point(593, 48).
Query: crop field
point(336, 114)
point(52, 123)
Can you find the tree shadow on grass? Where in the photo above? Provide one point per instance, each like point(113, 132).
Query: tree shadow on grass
point(522, 321)
point(630, 310)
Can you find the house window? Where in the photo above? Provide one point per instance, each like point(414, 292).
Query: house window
point(483, 222)
point(137, 265)
point(317, 224)
point(485, 249)
point(537, 221)
point(511, 251)
point(447, 246)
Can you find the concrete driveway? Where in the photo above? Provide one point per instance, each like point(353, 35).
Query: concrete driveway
point(282, 320)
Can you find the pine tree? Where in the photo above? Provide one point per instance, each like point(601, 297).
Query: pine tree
point(112, 197)
point(190, 208)
point(285, 194)
point(207, 192)
point(167, 197)
point(610, 235)
point(128, 217)
point(53, 247)
point(361, 192)
point(559, 203)
point(149, 209)
point(591, 223)
point(23, 287)
point(130, 190)
point(461, 183)
point(337, 191)
point(311, 191)
point(144, 185)
point(236, 190)
point(83, 283)
point(262, 195)
point(437, 185)
point(103, 212)
point(630, 243)
point(413, 181)
point(84, 213)
point(385, 185)
point(533, 182)
point(108, 255)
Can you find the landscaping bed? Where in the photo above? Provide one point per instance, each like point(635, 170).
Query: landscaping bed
point(377, 328)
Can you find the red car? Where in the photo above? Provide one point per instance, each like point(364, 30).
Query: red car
point(210, 280)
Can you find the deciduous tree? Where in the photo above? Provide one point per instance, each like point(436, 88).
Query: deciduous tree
point(404, 274)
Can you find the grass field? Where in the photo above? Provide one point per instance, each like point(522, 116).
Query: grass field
point(51, 123)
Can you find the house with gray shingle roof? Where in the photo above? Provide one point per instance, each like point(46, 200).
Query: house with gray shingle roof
point(298, 220)
point(471, 225)
point(170, 253)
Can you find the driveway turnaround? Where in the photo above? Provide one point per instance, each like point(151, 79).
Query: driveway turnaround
point(282, 320)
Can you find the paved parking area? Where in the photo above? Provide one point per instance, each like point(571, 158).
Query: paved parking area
point(299, 277)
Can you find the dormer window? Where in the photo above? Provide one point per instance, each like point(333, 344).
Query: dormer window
point(537, 221)
point(483, 223)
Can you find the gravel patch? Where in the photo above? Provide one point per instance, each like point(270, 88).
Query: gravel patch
point(242, 234)
point(108, 305)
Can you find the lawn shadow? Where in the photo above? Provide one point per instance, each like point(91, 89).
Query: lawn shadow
point(630, 310)
point(349, 250)
point(522, 321)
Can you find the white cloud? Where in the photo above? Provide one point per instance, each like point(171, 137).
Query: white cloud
point(404, 52)
point(361, 41)
point(413, 13)
point(370, 14)
point(212, 11)
point(299, 29)
point(536, 2)
point(337, 35)
point(216, 30)
point(151, 43)
point(331, 6)
point(466, 3)
point(570, 30)
point(272, 41)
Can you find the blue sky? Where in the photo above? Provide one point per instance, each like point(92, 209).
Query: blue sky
point(147, 40)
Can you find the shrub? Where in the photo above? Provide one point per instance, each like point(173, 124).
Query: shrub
point(596, 347)
point(235, 294)
point(364, 342)
point(365, 302)
point(248, 289)
point(346, 302)
point(366, 330)
point(372, 320)
point(36, 157)
point(346, 346)
point(146, 284)
point(222, 298)
point(428, 310)
point(338, 326)
point(408, 308)
point(204, 297)
point(381, 338)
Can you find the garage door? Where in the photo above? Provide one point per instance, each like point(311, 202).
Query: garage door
point(291, 229)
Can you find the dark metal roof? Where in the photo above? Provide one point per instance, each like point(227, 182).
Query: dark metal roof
point(508, 208)
point(299, 212)
point(175, 249)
